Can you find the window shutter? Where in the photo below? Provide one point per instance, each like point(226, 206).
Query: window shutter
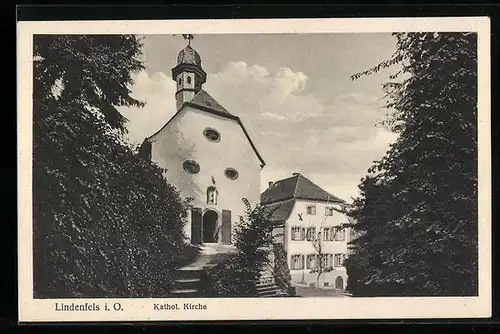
point(196, 226)
point(226, 227)
point(302, 260)
point(302, 233)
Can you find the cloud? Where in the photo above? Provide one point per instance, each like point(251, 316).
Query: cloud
point(158, 92)
point(335, 140)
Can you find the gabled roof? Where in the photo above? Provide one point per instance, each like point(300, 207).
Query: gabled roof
point(203, 101)
point(280, 211)
point(296, 187)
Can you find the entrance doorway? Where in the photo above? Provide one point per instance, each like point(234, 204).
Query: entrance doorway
point(339, 283)
point(210, 226)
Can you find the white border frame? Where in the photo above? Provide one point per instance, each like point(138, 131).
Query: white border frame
point(42, 310)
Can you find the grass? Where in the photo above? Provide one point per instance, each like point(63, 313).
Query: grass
point(310, 291)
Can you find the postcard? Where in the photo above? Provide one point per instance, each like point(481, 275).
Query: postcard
point(256, 169)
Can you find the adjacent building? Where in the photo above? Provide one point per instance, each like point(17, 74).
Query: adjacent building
point(208, 155)
point(307, 216)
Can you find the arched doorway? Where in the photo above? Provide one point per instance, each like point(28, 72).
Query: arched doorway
point(210, 226)
point(339, 283)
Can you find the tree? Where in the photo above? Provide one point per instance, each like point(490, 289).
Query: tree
point(95, 70)
point(416, 216)
point(105, 222)
point(238, 275)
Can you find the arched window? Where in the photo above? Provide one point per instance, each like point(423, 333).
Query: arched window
point(189, 80)
point(211, 195)
point(180, 81)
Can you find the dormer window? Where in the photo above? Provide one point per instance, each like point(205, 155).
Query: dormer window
point(211, 134)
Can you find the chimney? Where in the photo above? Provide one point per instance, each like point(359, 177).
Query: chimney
point(270, 184)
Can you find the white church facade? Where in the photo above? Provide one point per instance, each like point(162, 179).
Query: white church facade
point(208, 155)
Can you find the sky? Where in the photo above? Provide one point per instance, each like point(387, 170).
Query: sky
point(293, 93)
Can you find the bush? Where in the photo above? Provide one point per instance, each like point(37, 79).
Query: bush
point(237, 276)
point(106, 223)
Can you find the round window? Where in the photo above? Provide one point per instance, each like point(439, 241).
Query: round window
point(231, 173)
point(212, 134)
point(191, 167)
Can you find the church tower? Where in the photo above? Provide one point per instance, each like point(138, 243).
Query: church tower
point(188, 74)
point(209, 156)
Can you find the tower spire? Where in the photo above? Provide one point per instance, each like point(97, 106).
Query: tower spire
point(188, 73)
point(188, 37)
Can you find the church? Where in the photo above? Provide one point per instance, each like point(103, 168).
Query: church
point(208, 155)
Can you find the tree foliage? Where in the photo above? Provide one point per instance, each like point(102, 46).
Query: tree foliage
point(106, 223)
point(237, 277)
point(416, 216)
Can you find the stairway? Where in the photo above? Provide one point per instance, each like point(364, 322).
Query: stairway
point(266, 286)
point(187, 282)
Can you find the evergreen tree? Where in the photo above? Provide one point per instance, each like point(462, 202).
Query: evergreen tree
point(105, 222)
point(416, 217)
point(237, 276)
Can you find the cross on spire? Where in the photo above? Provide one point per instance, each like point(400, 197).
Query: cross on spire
point(189, 37)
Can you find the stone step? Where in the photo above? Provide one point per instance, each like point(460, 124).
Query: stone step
point(264, 284)
point(267, 288)
point(268, 294)
point(187, 273)
point(187, 280)
point(187, 283)
point(185, 292)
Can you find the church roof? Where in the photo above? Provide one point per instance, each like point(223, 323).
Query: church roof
point(296, 187)
point(203, 101)
point(188, 55)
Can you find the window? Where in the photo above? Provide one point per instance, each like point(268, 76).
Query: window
point(231, 173)
point(328, 211)
point(340, 234)
point(311, 209)
point(311, 234)
point(297, 262)
point(189, 80)
point(311, 261)
point(191, 167)
point(211, 134)
point(339, 260)
point(298, 233)
point(326, 260)
point(327, 234)
point(180, 81)
point(211, 195)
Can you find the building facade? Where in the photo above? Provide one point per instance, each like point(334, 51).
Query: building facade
point(311, 230)
point(208, 155)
